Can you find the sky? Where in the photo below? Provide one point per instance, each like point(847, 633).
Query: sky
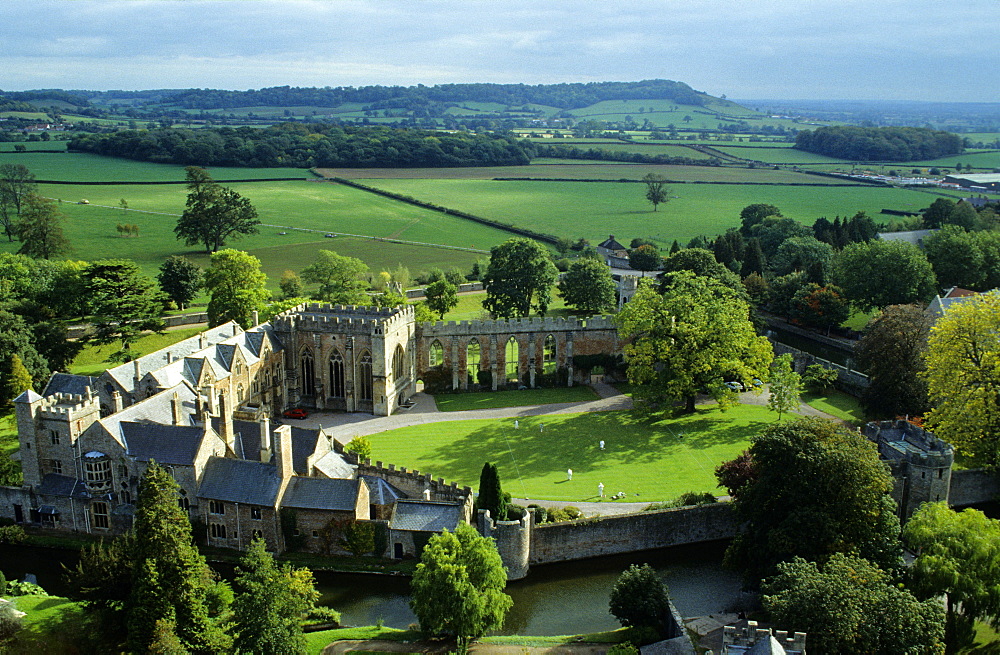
point(748, 49)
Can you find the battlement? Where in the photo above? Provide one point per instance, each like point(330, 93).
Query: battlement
point(506, 326)
point(744, 637)
point(66, 406)
point(342, 318)
point(900, 440)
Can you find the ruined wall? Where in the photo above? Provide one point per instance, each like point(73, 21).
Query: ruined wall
point(583, 538)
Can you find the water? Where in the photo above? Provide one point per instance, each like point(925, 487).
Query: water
point(555, 599)
point(835, 355)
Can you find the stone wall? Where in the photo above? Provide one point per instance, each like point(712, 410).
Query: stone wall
point(973, 486)
point(583, 538)
point(848, 379)
point(415, 483)
point(513, 539)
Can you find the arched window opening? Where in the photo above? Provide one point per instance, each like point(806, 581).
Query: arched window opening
point(399, 364)
point(510, 357)
point(436, 354)
point(472, 358)
point(337, 375)
point(308, 374)
point(240, 393)
point(365, 373)
point(549, 355)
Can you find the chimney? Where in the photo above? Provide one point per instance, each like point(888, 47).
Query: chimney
point(175, 408)
point(200, 409)
point(135, 377)
point(87, 393)
point(116, 401)
point(170, 357)
point(236, 329)
point(256, 318)
point(202, 341)
point(265, 440)
point(283, 458)
point(226, 422)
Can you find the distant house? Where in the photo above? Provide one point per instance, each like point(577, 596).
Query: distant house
point(611, 248)
point(916, 237)
point(941, 304)
point(986, 181)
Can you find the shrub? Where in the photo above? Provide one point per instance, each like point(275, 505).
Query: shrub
point(319, 614)
point(541, 514)
point(21, 588)
point(626, 648)
point(819, 377)
point(568, 513)
point(639, 597)
point(514, 512)
point(12, 534)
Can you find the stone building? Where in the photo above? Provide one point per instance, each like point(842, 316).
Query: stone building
point(919, 461)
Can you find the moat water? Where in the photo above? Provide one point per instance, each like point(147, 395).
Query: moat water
point(565, 598)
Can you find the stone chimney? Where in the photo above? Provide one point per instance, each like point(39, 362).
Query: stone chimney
point(175, 408)
point(202, 341)
point(226, 422)
point(135, 378)
point(256, 318)
point(116, 402)
point(170, 357)
point(200, 409)
point(265, 440)
point(283, 458)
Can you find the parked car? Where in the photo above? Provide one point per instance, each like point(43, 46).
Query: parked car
point(298, 413)
point(734, 386)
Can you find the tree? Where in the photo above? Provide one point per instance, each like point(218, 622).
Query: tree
point(442, 297)
point(457, 588)
point(16, 184)
point(820, 307)
point(519, 278)
point(15, 339)
point(891, 352)
point(171, 580)
point(124, 303)
point(754, 214)
point(754, 260)
point(938, 213)
point(819, 378)
point(181, 279)
point(588, 286)
point(491, 495)
point(849, 605)
point(269, 603)
point(342, 280)
point(102, 581)
point(798, 253)
point(645, 258)
point(39, 228)
point(358, 537)
point(878, 273)
point(958, 557)
point(17, 380)
point(817, 488)
point(213, 213)
point(963, 357)
point(235, 285)
point(290, 285)
point(956, 257)
point(702, 262)
point(639, 598)
point(785, 386)
point(360, 446)
point(656, 192)
point(689, 340)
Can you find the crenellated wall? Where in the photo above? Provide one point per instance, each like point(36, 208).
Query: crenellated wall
point(414, 484)
point(513, 539)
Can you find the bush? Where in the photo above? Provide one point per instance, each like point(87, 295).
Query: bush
point(12, 534)
point(21, 588)
point(541, 514)
point(626, 648)
point(514, 512)
point(819, 378)
point(639, 597)
point(324, 615)
point(568, 513)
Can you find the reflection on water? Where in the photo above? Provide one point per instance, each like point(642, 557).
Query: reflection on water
point(566, 598)
point(835, 355)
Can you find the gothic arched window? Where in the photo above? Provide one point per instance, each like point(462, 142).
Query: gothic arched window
point(436, 355)
point(365, 375)
point(549, 355)
point(336, 375)
point(510, 357)
point(308, 373)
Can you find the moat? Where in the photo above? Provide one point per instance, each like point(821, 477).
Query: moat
point(564, 598)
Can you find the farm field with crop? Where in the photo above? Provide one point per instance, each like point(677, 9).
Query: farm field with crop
point(595, 209)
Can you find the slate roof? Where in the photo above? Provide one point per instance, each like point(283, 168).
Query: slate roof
point(381, 492)
point(62, 485)
point(28, 396)
point(153, 410)
point(167, 444)
point(67, 383)
point(240, 481)
point(321, 493)
point(247, 433)
point(611, 244)
point(425, 516)
point(333, 465)
point(916, 237)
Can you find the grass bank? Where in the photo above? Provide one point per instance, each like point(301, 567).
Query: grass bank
point(490, 400)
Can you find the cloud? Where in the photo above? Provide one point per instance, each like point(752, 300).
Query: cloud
point(912, 49)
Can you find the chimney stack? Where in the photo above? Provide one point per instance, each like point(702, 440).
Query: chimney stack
point(256, 318)
point(175, 408)
point(283, 457)
point(170, 357)
point(226, 422)
point(265, 440)
point(135, 377)
point(116, 401)
point(202, 341)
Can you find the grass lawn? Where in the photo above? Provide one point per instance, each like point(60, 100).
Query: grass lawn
point(488, 400)
point(470, 307)
point(987, 641)
point(836, 403)
point(51, 626)
point(650, 461)
point(92, 360)
point(317, 641)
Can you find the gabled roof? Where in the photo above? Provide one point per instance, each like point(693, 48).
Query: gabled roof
point(154, 410)
point(254, 341)
point(381, 492)
point(425, 516)
point(611, 244)
point(224, 355)
point(333, 465)
point(62, 485)
point(321, 493)
point(167, 444)
point(72, 384)
point(240, 481)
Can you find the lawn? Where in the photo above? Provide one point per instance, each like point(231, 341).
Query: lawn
point(650, 461)
point(470, 308)
point(52, 626)
point(92, 360)
point(836, 403)
point(489, 400)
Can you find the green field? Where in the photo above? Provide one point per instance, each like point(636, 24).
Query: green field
point(640, 148)
point(92, 360)
point(594, 210)
point(458, 402)
point(649, 461)
point(52, 625)
point(772, 155)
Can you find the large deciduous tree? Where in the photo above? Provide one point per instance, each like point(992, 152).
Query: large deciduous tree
point(645, 258)
point(15, 339)
point(956, 257)
point(891, 352)
point(39, 228)
point(639, 598)
point(690, 339)
point(963, 377)
point(16, 183)
point(656, 191)
point(171, 581)
point(342, 280)
point(442, 297)
point(816, 488)
point(879, 273)
point(820, 307)
point(755, 214)
point(958, 558)
point(849, 605)
point(181, 279)
point(588, 286)
point(519, 278)
point(213, 213)
point(124, 303)
point(457, 588)
point(235, 285)
point(785, 386)
point(270, 602)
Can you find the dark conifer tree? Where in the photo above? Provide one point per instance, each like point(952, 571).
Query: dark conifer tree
point(491, 496)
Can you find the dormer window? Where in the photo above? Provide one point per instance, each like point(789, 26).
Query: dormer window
point(97, 468)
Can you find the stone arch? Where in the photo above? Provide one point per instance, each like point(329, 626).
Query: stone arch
point(307, 366)
point(337, 384)
point(473, 359)
point(549, 353)
point(365, 390)
point(398, 363)
point(511, 360)
point(435, 354)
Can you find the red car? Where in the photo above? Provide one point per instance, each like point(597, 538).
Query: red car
point(298, 412)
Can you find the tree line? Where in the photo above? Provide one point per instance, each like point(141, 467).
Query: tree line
point(879, 143)
point(309, 145)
